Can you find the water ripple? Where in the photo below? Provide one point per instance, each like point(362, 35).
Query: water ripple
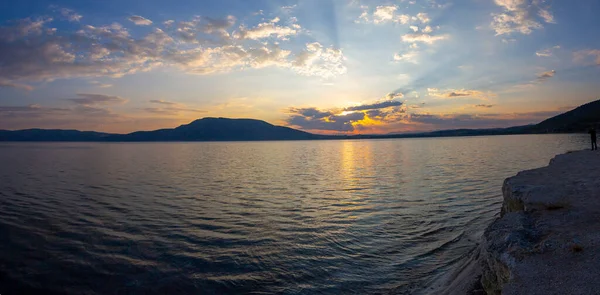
point(316, 217)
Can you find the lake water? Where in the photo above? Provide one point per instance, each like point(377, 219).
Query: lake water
point(303, 217)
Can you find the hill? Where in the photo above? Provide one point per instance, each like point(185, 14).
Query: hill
point(51, 135)
point(577, 120)
point(219, 129)
point(206, 129)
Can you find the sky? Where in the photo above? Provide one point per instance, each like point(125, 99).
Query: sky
point(323, 66)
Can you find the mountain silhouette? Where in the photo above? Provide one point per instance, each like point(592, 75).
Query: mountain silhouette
point(52, 135)
point(224, 129)
point(577, 120)
point(219, 129)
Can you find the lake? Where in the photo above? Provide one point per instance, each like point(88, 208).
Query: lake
point(287, 217)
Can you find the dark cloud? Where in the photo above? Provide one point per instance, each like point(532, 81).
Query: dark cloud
point(313, 113)
point(342, 123)
point(336, 120)
point(377, 105)
point(93, 99)
point(458, 94)
point(394, 95)
point(484, 105)
point(317, 124)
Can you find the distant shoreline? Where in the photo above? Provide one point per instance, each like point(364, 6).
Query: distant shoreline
point(317, 138)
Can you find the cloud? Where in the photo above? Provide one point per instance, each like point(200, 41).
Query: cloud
point(424, 38)
point(313, 119)
point(139, 20)
point(394, 95)
point(484, 106)
point(87, 99)
point(384, 13)
point(546, 15)
point(164, 102)
point(458, 93)
point(423, 17)
point(491, 120)
point(388, 14)
point(36, 116)
point(265, 30)
point(169, 108)
point(316, 60)
point(543, 76)
point(378, 105)
point(520, 16)
point(15, 85)
point(410, 56)
point(70, 15)
point(100, 84)
point(31, 51)
point(546, 52)
point(312, 113)
point(587, 56)
point(348, 119)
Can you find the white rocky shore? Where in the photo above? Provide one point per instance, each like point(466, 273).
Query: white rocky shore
point(547, 239)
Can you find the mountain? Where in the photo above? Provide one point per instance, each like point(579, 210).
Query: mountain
point(577, 120)
point(219, 129)
point(224, 129)
point(206, 129)
point(51, 135)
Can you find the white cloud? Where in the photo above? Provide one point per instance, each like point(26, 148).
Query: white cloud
point(388, 14)
point(317, 60)
point(424, 38)
point(427, 29)
point(546, 52)
point(30, 51)
point(384, 13)
point(519, 16)
point(546, 16)
point(410, 56)
point(139, 20)
point(414, 28)
point(265, 30)
point(459, 93)
point(423, 17)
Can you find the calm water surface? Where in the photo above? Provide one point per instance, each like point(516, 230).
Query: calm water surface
point(308, 217)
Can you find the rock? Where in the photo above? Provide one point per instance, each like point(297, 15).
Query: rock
point(547, 240)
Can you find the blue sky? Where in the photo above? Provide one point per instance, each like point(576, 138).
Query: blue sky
point(326, 66)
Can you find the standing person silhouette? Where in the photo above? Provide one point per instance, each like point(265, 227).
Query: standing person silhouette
point(592, 133)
